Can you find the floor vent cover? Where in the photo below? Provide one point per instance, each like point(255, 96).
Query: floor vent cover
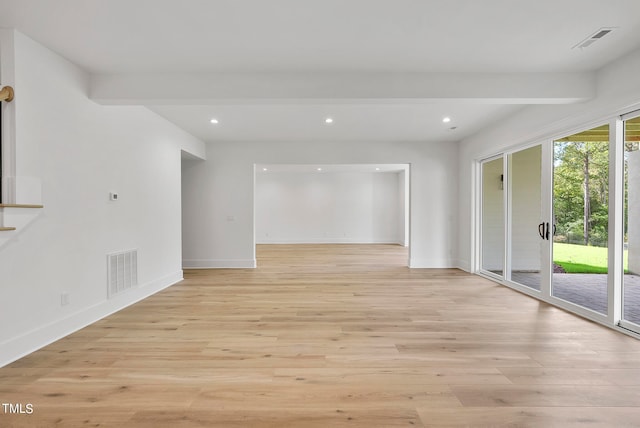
point(122, 271)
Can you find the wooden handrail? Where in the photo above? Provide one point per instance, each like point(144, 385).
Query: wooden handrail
point(6, 94)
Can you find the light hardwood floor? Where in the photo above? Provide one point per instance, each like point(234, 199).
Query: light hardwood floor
point(332, 336)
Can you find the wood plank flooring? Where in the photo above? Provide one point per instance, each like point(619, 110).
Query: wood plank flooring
point(331, 336)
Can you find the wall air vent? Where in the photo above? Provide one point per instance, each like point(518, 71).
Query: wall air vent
point(594, 37)
point(122, 271)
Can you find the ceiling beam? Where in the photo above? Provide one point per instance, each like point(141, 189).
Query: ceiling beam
point(224, 88)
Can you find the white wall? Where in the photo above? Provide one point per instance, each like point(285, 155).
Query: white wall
point(219, 193)
point(327, 207)
point(80, 151)
point(618, 90)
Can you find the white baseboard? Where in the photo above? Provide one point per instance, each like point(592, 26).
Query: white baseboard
point(432, 263)
point(464, 265)
point(29, 342)
point(220, 264)
point(328, 241)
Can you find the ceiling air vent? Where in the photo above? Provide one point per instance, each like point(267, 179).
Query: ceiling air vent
point(594, 37)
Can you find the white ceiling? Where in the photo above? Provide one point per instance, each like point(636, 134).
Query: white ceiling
point(196, 37)
point(352, 122)
point(310, 35)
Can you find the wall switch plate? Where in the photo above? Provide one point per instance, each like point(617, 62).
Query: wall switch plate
point(64, 299)
point(113, 196)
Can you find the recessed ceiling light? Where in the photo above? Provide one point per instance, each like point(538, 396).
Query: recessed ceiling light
point(319, 169)
point(328, 120)
point(446, 119)
point(377, 169)
point(214, 121)
point(264, 169)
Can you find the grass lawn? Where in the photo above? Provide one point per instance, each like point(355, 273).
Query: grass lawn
point(582, 259)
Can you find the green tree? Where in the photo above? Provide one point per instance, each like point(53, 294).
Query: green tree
point(581, 190)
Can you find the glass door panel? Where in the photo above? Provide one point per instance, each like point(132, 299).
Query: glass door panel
point(631, 227)
point(492, 227)
point(581, 218)
point(526, 209)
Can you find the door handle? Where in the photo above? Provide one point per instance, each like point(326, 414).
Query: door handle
point(544, 230)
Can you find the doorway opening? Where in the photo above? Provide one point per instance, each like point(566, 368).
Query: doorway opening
point(332, 204)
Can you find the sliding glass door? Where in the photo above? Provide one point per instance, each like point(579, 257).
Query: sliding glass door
point(560, 221)
point(631, 227)
point(581, 218)
point(492, 233)
point(511, 211)
point(524, 214)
